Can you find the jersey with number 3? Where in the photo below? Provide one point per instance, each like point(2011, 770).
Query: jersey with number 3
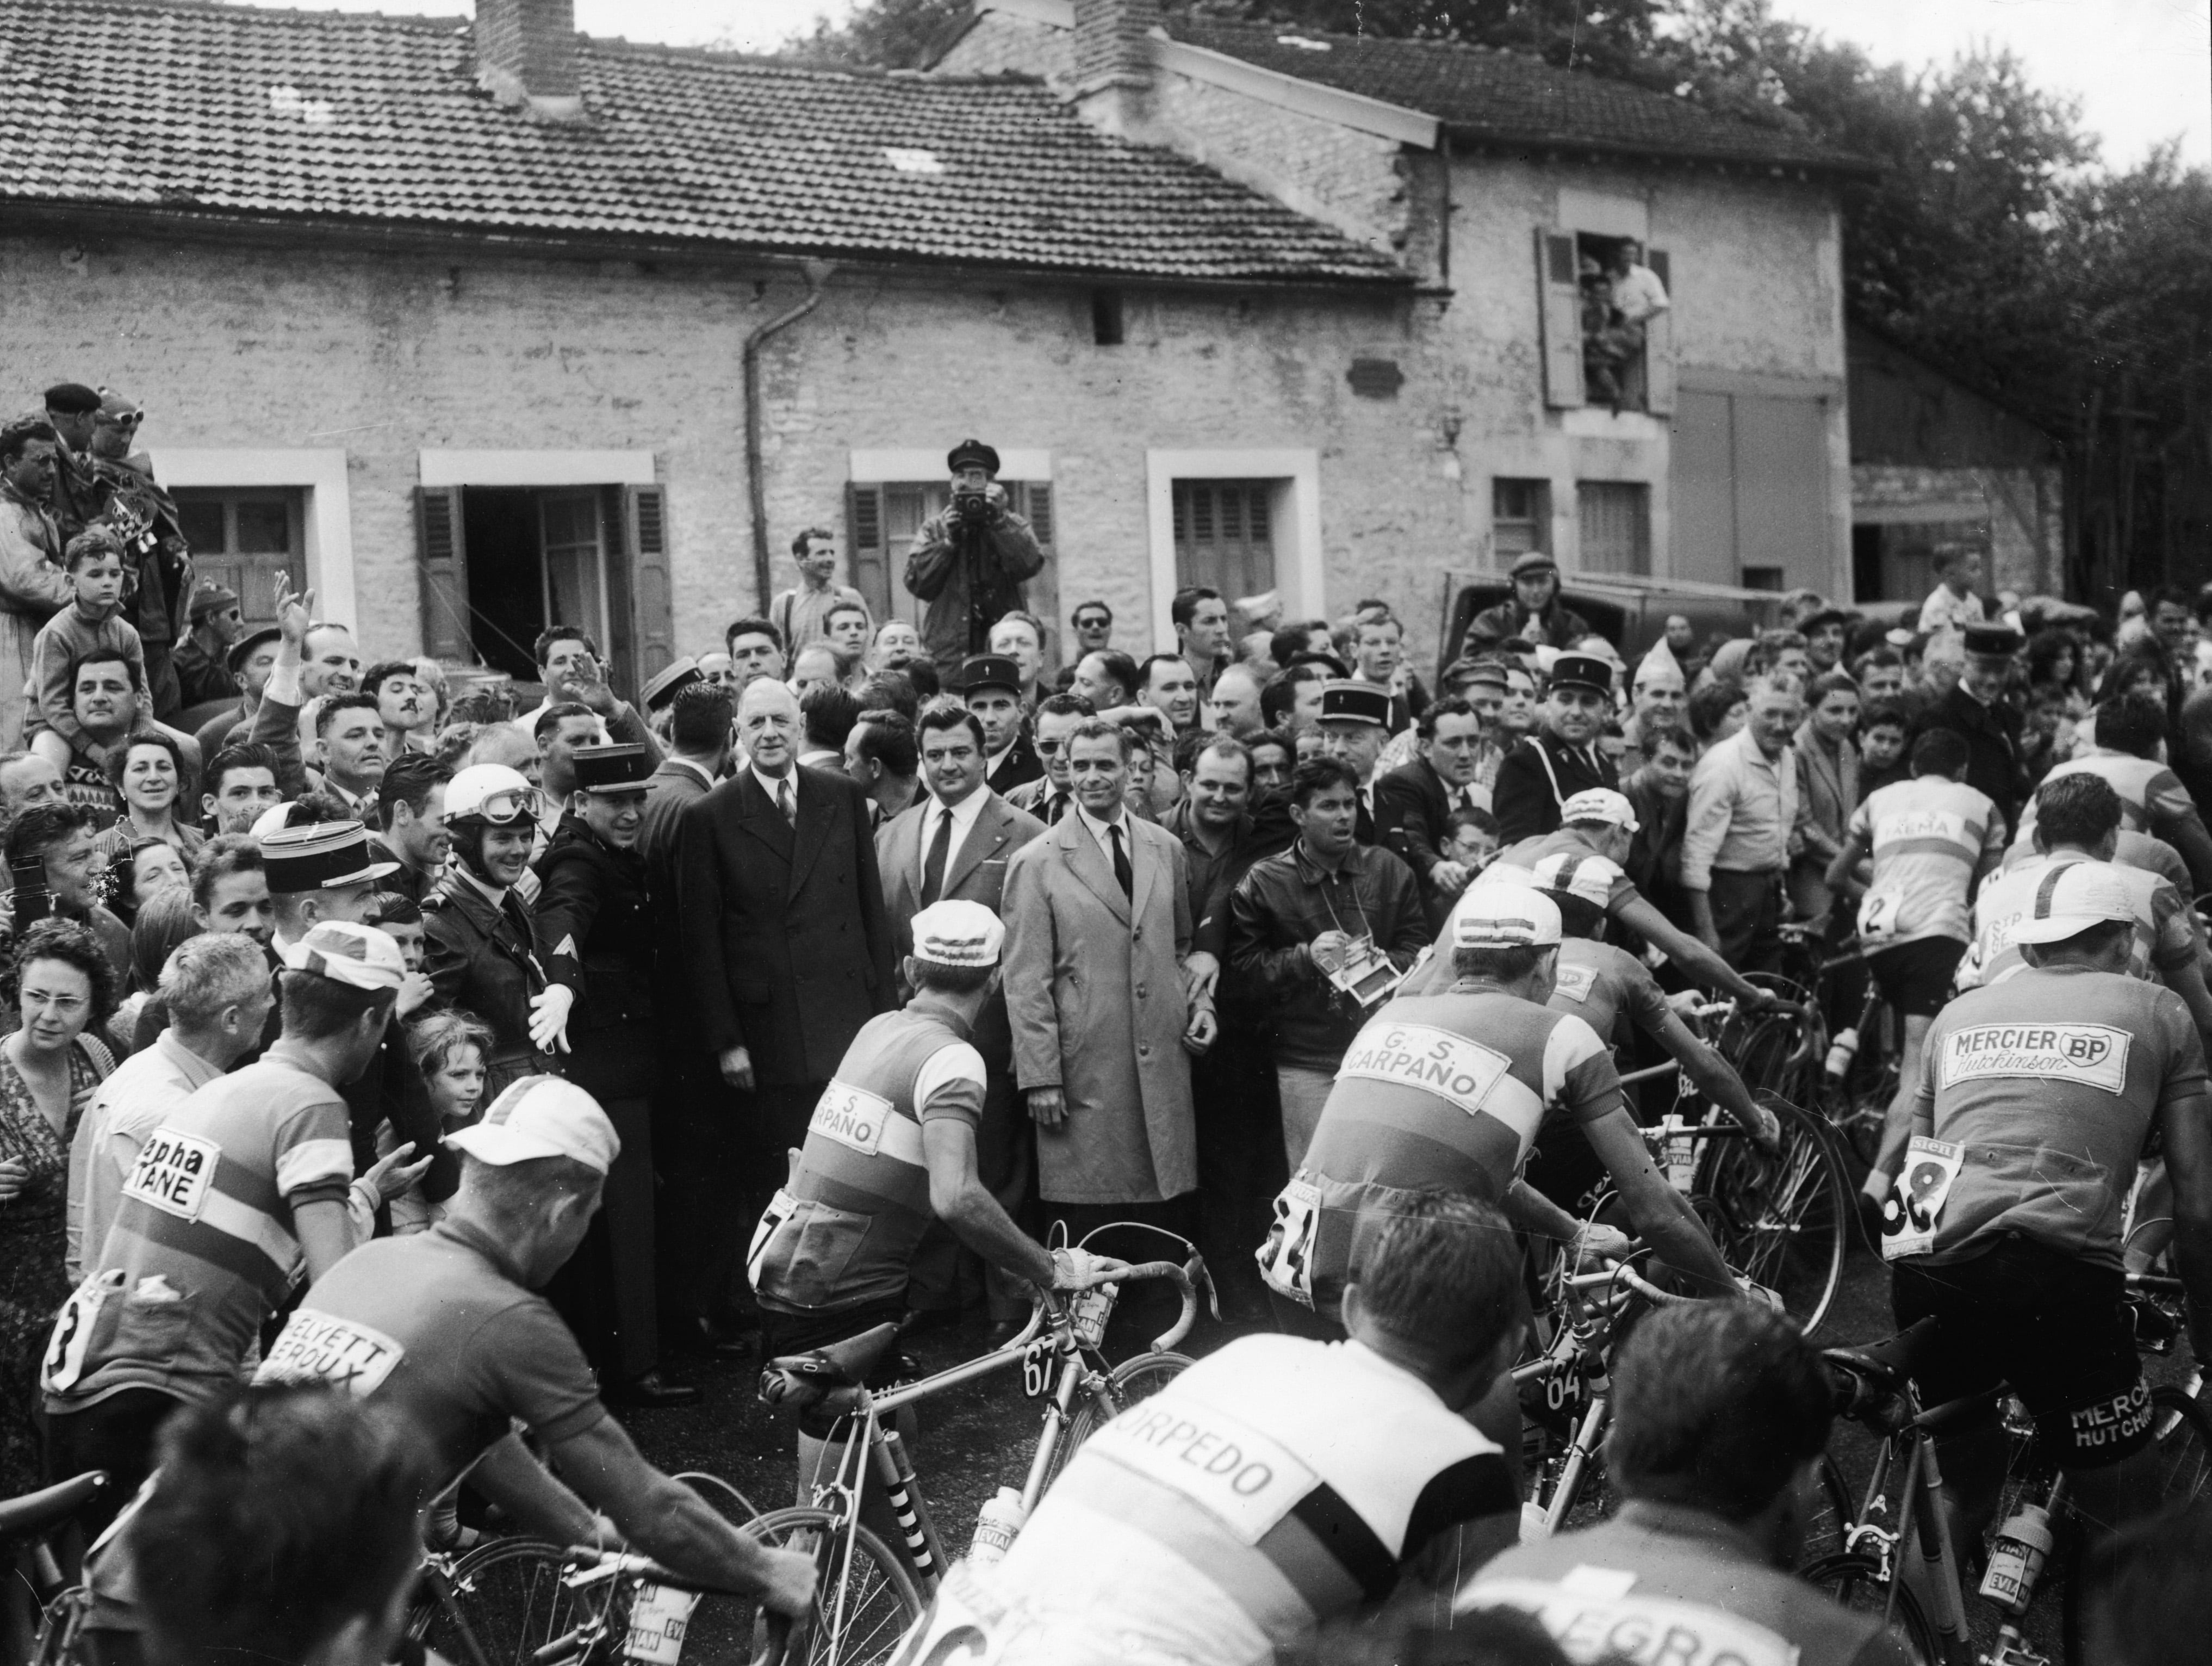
point(1443, 1091)
point(2048, 1083)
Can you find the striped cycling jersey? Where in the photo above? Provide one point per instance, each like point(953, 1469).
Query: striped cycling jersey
point(842, 1232)
point(1929, 837)
point(2150, 792)
point(1438, 1091)
point(2165, 930)
point(203, 1248)
point(1275, 1484)
point(1602, 983)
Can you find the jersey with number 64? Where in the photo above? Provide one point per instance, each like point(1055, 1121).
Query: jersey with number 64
point(1441, 1092)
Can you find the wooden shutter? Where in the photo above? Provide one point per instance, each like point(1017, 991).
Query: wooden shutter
point(1659, 344)
point(1559, 304)
point(441, 552)
point(652, 599)
point(864, 536)
point(1036, 509)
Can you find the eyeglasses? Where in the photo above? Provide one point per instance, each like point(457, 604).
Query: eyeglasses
point(1049, 748)
point(121, 418)
point(511, 803)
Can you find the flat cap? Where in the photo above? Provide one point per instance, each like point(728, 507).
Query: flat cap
point(211, 598)
point(1535, 561)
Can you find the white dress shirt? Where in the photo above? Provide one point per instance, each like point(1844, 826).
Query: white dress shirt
point(964, 816)
point(1104, 833)
point(773, 786)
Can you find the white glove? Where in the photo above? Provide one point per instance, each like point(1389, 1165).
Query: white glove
point(549, 1018)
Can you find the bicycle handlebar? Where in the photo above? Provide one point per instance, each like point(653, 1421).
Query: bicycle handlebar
point(1179, 1276)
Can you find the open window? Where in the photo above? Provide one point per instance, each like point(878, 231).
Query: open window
point(1607, 317)
point(881, 519)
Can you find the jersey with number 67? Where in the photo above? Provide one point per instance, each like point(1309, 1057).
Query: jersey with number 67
point(1441, 1092)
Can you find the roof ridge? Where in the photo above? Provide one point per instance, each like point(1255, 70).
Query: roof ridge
point(321, 15)
point(723, 57)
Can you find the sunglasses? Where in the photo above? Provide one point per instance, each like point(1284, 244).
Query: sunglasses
point(121, 419)
point(511, 804)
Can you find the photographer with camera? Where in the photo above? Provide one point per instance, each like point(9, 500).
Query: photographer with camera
point(1320, 935)
point(969, 559)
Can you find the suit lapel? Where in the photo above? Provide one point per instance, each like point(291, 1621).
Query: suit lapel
point(985, 839)
point(1091, 864)
point(756, 813)
point(815, 810)
point(1145, 866)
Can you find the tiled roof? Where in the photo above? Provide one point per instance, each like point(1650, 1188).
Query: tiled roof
point(1510, 97)
point(378, 120)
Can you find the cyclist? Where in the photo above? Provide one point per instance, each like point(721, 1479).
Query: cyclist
point(1931, 840)
point(1615, 992)
point(892, 1143)
point(1448, 1090)
point(1601, 822)
point(1720, 1413)
point(1278, 1483)
point(2036, 1098)
point(2077, 817)
point(2130, 732)
point(447, 1327)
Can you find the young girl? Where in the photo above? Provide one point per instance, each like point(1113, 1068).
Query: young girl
point(450, 1052)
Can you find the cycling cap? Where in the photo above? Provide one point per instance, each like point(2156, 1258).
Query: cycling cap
point(490, 792)
point(1575, 874)
point(2071, 899)
point(1504, 915)
point(360, 956)
point(1600, 804)
point(956, 934)
point(541, 1117)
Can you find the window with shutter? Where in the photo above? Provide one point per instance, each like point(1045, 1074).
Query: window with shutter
point(883, 517)
point(651, 596)
point(442, 556)
point(1223, 536)
point(1659, 343)
point(1559, 306)
point(872, 573)
point(1615, 517)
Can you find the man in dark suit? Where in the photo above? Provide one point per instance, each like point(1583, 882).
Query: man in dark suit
point(786, 953)
point(1050, 797)
point(699, 743)
point(1414, 804)
point(955, 843)
point(1977, 710)
point(1562, 758)
point(991, 686)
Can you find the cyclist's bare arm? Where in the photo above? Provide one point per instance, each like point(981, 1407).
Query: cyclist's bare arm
point(1842, 873)
point(674, 1525)
point(2185, 977)
point(958, 1197)
point(1699, 963)
point(518, 1484)
point(1537, 1215)
point(1715, 1078)
point(2187, 1125)
point(1656, 1210)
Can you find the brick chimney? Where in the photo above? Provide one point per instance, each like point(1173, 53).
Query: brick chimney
point(1114, 63)
point(526, 56)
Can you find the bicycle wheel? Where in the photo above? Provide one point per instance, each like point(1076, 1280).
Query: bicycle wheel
point(1766, 1057)
point(864, 1606)
point(1783, 1219)
point(1138, 1377)
point(508, 1606)
point(2183, 1433)
point(1829, 1525)
point(1856, 1582)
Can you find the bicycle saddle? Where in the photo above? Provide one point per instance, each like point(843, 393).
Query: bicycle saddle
point(805, 1379)
point(34, 1512)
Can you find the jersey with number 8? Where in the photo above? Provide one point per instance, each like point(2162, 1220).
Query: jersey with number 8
point(1443, 1091)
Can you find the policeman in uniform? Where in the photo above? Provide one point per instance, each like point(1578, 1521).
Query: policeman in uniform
point(1977, 710)
point(594, 912)
point(486, 955)
point(1562, 758)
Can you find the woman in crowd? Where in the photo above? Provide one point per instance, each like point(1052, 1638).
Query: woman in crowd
point(164, 918)
point(1716, 711)
point(2056, 669)
point(62, 984)
point(147, 868)
point(149, 773)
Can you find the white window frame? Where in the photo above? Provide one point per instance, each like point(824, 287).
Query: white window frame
point(1301, 573)
point(320, 472)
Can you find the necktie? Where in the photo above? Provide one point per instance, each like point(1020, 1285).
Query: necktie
point(932, 866)
point(1122, 871)
point(785, 802)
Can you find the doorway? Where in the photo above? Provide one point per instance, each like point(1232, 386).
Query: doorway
point(536, 557)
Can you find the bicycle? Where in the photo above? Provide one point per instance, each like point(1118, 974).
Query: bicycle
point(868, 1600)
point(30, 1525)
point(1877, 1569)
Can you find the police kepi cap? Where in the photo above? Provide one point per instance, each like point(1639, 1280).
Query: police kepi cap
point(989, 671)
point(73, 399)
point(1534, 561)
point(2073, 897)
point(1997, 640)
point(1501, 915)
point(360, 956)
point(622, 768)
point(541, 1117)
point(320, 857)
point(662, 687)
point(975, 452)
point(212, 598)
point(1350, 701)
point(242, 649)
point(1583, 670)
point(957, 933)
point(1599, 804)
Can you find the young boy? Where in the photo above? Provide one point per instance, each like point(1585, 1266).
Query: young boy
point(93, 560)
point(1474, 839)
point(1883, 728)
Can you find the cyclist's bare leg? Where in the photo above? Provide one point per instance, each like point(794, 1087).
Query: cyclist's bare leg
point(1897, 1123)
point(2150, 1217)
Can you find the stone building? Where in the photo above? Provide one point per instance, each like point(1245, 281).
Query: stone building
point(475, 326)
